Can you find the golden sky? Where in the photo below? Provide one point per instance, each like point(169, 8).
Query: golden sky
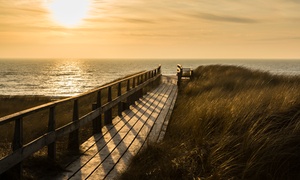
point(150, 29)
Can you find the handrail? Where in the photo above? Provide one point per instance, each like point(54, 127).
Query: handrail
point(22, 151)
point(12, 117)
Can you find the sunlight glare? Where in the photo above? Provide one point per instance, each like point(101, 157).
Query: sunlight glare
point(69, 13)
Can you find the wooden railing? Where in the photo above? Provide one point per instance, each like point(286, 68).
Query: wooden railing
point(134, 87)
point(184, 72)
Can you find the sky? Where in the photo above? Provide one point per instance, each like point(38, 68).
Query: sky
point(146, 29)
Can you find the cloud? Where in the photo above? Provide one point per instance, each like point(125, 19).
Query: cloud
point(136, 20)
point(281, 38)
point(295, 1)
point(32, 10)
point(224, 18)
point(120, 19)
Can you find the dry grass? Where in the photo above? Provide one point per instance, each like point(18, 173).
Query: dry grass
point(229, 123)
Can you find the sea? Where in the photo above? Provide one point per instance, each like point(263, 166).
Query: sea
point(69, 77)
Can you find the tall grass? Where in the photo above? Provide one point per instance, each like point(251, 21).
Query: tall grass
point(228, 123)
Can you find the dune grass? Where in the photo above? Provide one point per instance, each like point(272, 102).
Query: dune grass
point(228, 123)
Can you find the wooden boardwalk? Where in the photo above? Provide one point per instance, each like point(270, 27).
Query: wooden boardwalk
point(107, 154)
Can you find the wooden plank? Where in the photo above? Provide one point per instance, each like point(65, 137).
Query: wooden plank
point(51, 127)
point(73, 143)
point(21, 153)
point(97, 122)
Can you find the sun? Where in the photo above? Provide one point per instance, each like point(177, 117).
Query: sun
point(69, 13)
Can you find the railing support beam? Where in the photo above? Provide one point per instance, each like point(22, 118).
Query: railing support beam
point(108, 113)
point(97, 123)
point(74, 136)
point(51, 128)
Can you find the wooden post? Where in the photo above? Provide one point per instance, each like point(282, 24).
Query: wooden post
point(152, 76)
point(51, 128)
point(148, 86)
point(128, 101)
point(108, 113)
point(146, 76)
point(138, 80)
point(137, 94)
point(133, 83)
point(159, 69)
point(97, 121)
point(179, 74)
point(16, 172)
point(128, 85)
point(74, 136)
point(133, 96)
point(120, 109)
point(192, 74)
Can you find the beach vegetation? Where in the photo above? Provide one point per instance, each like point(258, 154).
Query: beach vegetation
point(229, 122)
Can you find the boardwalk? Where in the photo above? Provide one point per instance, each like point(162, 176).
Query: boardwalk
point(109, 153)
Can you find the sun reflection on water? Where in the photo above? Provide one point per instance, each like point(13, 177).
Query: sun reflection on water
point(68, 77)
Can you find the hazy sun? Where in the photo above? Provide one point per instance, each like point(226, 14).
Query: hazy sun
point(69, 13)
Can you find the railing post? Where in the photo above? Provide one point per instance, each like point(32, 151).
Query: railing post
point(192, 74)
point(17, 171)
point(120, 109)
point(51, 128)
point(146, 79)
point(133, 96)
point(151, 75)
point(108, 113)
point(159, 69)
point(129, 99)
point(128, 85)
point(138, 80)
point(179, 74)
point(97, 121)
point(133, 83)
point(140, 94)
point(74, 136)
